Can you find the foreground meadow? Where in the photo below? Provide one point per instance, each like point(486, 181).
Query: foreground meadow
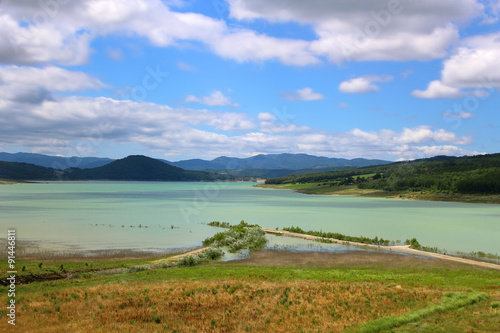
point(273, 291)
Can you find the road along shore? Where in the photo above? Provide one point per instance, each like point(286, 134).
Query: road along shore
point(404, 248)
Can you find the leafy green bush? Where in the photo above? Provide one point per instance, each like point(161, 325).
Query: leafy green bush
point(239, 237)
point(208, 255)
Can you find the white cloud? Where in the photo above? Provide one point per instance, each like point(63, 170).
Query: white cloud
point(247, 45)
point(461, 115)
point(437, 89)
point(424, 134)
point(53, 78)
point(358, 30)
point(305, 94)
point(353, 30)
point(40, 43)
point(35, 85)
point(217, 98)
point(268, 127)
point(492, 12)
point(266, 116)
point(429, 151)
point(229, 122)
point(474, 65)
point(363, 85)
point(93, 121)
point(66, 31)
point(81, 125)
point(358, 86)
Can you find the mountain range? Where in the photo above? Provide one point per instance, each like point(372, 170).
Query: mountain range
point(55, 162)
point(270, 162)
point(138, 168)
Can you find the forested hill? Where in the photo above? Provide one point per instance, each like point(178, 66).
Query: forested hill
point(25, 171)
point(468, 174)
point(137, 167)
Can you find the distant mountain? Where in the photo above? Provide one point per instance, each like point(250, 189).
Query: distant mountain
point(24, 171)
point(247, 174)
point(56, 162)
point(263, 166)
point(274, 161)
point(137, 167)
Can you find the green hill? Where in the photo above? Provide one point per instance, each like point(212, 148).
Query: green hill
point(137, 167)
point(25, 171)
point(441, 174)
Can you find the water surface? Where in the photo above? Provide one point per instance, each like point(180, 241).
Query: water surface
point(160, 215)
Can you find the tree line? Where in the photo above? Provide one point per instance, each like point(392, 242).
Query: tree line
point(468, 174)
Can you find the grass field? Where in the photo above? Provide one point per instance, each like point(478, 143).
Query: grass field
point(274, 291)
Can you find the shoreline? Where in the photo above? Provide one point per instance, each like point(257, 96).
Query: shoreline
point(403, 248)
point(437, 197)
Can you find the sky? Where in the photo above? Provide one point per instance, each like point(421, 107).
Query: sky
point(181, 79)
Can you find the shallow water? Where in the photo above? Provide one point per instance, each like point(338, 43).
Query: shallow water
point(160, 215)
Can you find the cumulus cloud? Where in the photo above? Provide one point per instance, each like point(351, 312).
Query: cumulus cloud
point(36, 33)
point(35, 85)
point(363, 85)
point(247, 45)
point(95, 120)
point(437, 89)
point(217, 98)
point(79, 125)
point(51, 77)
point(63, 33)
point(266, 116)
point(474, 65)
point(305, 94)
point(377, 30)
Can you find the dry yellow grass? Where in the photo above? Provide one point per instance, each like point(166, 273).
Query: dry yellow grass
point(216, 306)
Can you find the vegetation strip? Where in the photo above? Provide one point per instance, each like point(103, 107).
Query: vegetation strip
point(406, 248)
point(239, 237)
point(452, 301)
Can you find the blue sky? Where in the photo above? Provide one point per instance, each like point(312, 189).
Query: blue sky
point(179, 79)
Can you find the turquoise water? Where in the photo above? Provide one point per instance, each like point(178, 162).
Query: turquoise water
point(148, 215)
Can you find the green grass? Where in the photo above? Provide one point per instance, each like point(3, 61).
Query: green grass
point(54, 265)
point(445, 279)
point(467, 281)
point(452, 301)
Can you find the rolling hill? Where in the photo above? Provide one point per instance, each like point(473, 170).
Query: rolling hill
point(24, 171)
point(439, 174)
point(137, 167)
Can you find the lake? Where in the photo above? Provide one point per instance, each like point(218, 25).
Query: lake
point(164, 215)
